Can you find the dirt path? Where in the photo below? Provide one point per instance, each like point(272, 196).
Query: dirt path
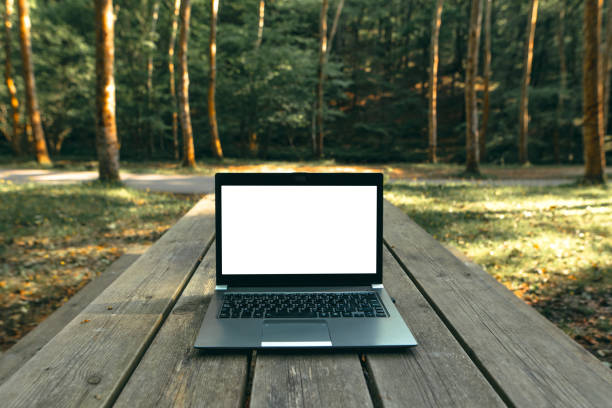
point(203, 184)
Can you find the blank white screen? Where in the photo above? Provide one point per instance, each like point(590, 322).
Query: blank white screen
point(270, 230)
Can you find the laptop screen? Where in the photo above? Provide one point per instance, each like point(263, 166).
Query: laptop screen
point(298, 229)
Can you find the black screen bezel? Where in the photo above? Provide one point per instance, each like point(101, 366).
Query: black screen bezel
point(298, 179)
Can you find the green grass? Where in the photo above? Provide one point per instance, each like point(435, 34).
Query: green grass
point(552, 246)
point(54, 239)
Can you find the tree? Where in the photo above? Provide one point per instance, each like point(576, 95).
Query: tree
point(175, 14)
point(252, 134)
point(523, 111)
point(40, 145)
point(433, 82)
point(260, 24)
point(471, 112)
point(107, 145)
point(151, 44)
point(486, 73)
point(188, 150)
point(8, 77)
point(606, 66)
point(562, 82)
point(324, 51)
point(212, 111)
point(319, 91)
point(592, 128)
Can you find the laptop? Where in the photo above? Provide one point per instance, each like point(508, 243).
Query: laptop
point(299, 264)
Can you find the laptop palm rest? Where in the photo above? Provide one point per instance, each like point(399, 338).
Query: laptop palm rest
point(295, 333)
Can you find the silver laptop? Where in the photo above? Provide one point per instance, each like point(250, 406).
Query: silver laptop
point(299, 264)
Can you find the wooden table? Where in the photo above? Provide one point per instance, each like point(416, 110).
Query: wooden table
point(479, 345)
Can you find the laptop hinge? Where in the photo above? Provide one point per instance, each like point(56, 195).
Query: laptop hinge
point(221, 287)
point(377, 286)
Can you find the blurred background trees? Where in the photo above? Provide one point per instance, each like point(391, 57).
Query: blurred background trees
point(375, 84)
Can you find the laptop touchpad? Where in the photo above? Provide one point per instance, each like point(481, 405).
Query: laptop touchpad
point(295, 333)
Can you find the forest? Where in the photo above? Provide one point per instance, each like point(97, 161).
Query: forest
point(356, 81)
point(488, 119)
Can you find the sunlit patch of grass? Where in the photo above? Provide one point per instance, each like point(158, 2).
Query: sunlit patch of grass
point(552, 246)
point(54, 239)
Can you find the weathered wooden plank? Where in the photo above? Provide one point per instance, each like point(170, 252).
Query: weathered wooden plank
point(436, 373)
point(30, 344)
point(88, 362)
point(529, 361)
point(294, 379)
point(172, 372)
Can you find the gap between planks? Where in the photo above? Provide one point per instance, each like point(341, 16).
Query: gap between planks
point(128, 373)
point(485, 372)
point(372, 388)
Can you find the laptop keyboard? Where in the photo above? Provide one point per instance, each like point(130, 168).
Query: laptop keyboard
point(301, 305)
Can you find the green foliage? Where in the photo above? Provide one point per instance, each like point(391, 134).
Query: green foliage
point(375, 89)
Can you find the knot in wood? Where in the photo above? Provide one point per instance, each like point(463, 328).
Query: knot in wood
point(94, 379)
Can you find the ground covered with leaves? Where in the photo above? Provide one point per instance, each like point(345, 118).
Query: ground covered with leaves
point(55, 239)
point(552, 246)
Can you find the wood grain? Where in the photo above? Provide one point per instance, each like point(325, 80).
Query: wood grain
point(172, 372)
point(294, 379)
point(437, 372)
point(29, 345)
point(527, 359)
point(88, 362)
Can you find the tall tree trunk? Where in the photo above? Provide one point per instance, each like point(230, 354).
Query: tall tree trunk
point(594, 153)
point(334, 29)
point(260, 25)
point(523, 111)
point(325, 45)
point(433, 83)
point(8, 77)
point(471, 111)
point(40, 146)
point(320, 77)
point(482, 137)
point(183, 91)
point(151, 38)
point(106, 129)
point(253, 143)
point(212, 111)
point(175, 143)
point(562, 83)
point(606, 67)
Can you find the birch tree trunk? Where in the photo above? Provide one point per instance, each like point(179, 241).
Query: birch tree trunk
point(8, 78)
point(433, 83)
point(523, 110)
point(175, 143)
point(183, 91)
point(107, 145)
point(482, 137)
point(593, 134)
point(471, 112)
point(562, 83)
point(40, 146)
point(212, 111)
